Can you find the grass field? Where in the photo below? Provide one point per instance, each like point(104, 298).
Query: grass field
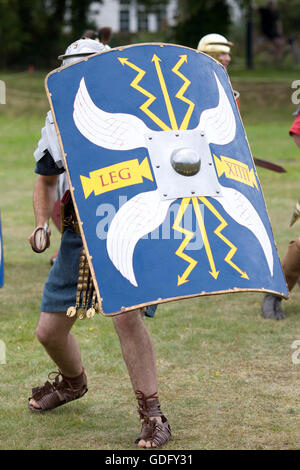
point(227, 380)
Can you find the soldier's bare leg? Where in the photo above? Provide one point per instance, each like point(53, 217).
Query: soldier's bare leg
point(138, 352)
point(53, 332)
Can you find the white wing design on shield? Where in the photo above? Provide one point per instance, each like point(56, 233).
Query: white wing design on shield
point(219, 123)
point(244, 213)
point(137, 217)
point(121, 131)
point(115, 131)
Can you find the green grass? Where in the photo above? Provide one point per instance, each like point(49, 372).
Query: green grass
point(226, 376)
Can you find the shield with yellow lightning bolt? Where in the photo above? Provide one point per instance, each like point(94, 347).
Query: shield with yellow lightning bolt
point(162, 177)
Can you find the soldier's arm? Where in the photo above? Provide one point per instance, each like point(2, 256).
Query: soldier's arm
point(44, 197)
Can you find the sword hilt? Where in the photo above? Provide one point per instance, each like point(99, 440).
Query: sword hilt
point(41, 239)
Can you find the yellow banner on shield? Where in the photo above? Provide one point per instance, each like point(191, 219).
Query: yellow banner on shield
point(116, 176)
point(236, 170)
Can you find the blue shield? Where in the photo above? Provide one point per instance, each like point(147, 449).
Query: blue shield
point(164, 183)
point(1, 257)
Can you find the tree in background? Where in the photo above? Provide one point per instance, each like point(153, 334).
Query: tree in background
point(197, 18)
point(36, 31)
point(10, 26)
point(290, 17)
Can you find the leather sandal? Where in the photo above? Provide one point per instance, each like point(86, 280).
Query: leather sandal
point(153, 430)
point(51, 395)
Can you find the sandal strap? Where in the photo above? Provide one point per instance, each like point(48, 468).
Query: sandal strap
point(149, 406)
point(158, 433)
point(153, 430)
point(161, 432)
point(50, 395)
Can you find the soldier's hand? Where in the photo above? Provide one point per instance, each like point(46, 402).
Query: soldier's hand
point(40, 238)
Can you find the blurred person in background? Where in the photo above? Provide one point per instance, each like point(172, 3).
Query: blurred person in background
point(216, 46)
point(103, 35)
point(219, 48)
point(271, 304)
point(271, 27)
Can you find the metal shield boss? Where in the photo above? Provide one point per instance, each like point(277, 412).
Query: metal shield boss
point(162, 177)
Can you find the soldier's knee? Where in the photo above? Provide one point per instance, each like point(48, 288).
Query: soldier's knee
point(44, 336)
point(127, 321)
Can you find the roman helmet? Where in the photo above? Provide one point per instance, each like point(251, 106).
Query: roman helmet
point(214, 45)
point(81, 48)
